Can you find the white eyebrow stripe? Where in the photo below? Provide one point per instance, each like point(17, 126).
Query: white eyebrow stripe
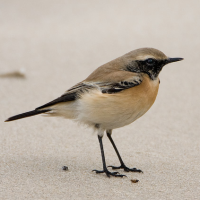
point(144, 57)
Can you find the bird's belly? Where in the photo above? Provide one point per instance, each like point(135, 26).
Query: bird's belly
point(119, 109)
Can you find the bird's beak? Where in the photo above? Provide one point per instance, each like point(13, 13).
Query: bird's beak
point(170, 60)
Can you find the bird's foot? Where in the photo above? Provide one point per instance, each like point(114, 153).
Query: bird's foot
point(108, 173)
point(126, 169)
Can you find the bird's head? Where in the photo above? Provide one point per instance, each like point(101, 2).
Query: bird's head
point(148, 60)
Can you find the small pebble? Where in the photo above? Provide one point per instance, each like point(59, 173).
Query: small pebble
point(134, 180)
point(65, 168)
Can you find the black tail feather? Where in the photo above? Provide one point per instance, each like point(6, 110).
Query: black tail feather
point(27, 114)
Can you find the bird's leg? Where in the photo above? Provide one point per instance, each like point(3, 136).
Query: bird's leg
point(105, 170)
point(122, 166)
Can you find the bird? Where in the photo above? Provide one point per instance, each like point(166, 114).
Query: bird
point(112, 96)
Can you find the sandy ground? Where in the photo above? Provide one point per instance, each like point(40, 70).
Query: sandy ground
point(59, 43)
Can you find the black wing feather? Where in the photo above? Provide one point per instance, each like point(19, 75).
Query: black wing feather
point(64, 98)
point(118, 87)
point(71, 95)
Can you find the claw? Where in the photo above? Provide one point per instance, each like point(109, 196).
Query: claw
point(126, 169)
point(97, 171)
point(108, 173)
point(114, 167)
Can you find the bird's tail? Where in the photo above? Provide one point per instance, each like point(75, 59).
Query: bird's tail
point(27, 114)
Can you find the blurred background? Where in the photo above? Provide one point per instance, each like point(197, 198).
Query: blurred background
point(52, 45)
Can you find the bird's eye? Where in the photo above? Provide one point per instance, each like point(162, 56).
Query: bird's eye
point(150, 61)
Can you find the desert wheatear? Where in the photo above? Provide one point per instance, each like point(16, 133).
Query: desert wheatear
point(114, 95)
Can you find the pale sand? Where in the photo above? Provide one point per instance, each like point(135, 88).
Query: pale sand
point(59, 43)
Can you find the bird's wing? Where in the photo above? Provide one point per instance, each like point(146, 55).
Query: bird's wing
point(114, 85)
point(115, 81)
point(70, 95)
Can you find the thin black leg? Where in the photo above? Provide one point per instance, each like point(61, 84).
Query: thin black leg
point(123, 166)
point(105, 170)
